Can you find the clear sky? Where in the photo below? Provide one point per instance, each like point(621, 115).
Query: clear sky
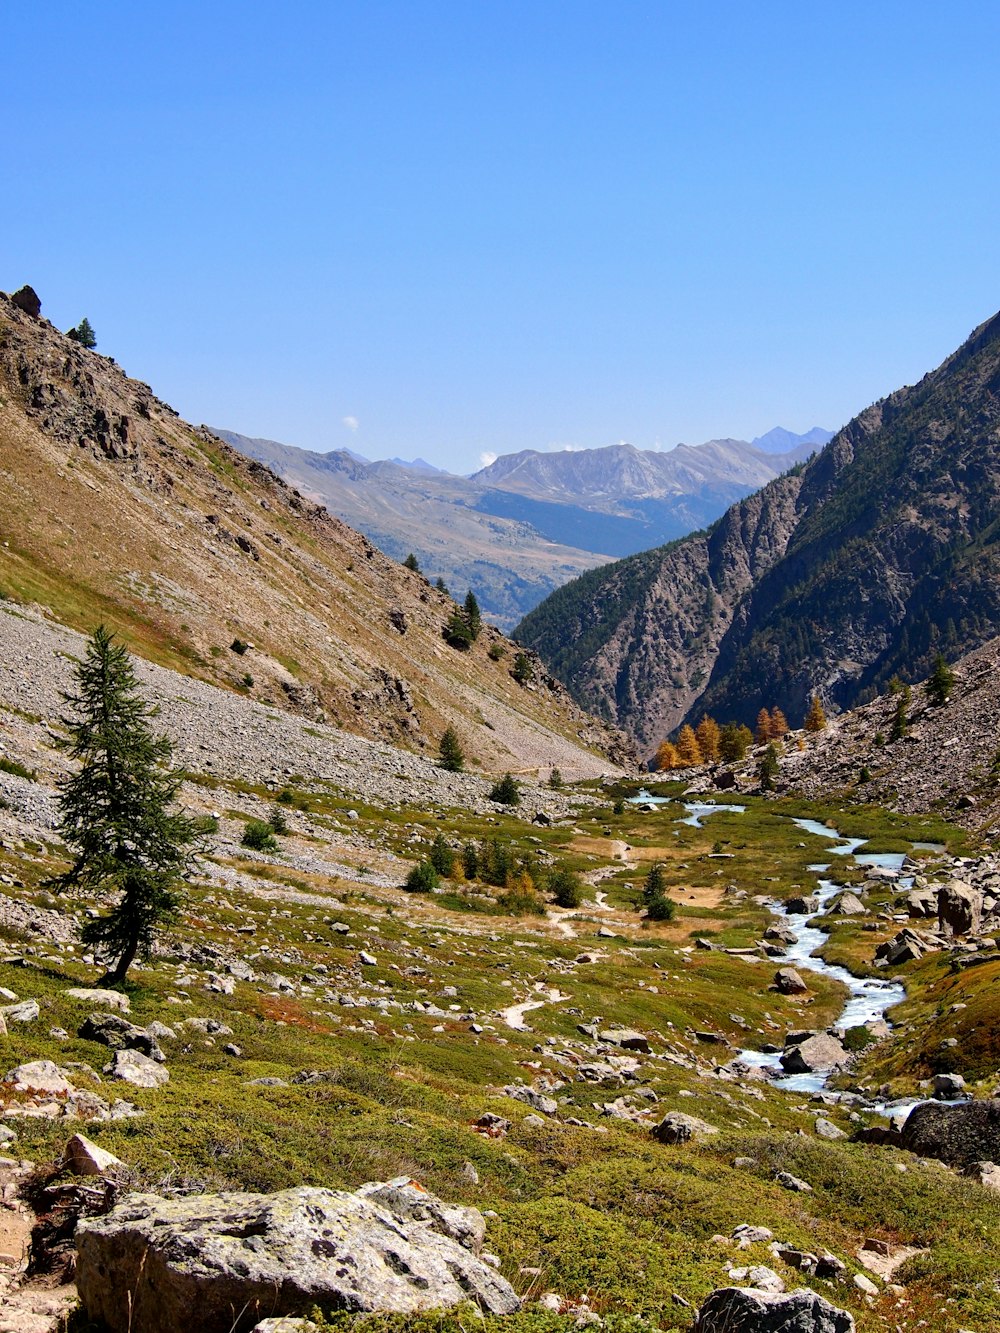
point(448, 229)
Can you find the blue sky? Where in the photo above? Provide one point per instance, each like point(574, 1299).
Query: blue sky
point(451, 229)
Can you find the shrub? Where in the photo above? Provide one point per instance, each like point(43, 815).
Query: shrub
point(470, 860)
point(18, 770)
point(496, 651)
point(555, 779)
point(276, 820)
point(423, 878)
point(768, 768)
point(940, 681)
point(661, 908)
point(238, 646)
point(565, 887)
point(411, 562)
point(259, 836)
point(506, 791)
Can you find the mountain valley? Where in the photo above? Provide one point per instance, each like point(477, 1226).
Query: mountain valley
point(861, 564)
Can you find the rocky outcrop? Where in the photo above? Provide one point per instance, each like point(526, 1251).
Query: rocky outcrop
point(959, 1135)
point(220, 1263)
point(746, 1310)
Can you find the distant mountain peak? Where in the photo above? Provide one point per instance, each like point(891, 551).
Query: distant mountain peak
point(782, 441)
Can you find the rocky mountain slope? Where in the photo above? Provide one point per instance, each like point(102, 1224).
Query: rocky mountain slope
point(116, 510)
point(530, 521)
point(863, 563)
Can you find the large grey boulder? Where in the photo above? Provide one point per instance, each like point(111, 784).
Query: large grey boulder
point(138, 1069)
point(221, 1263)
point(744, 1310)
point(960, 908)
point(818, 1052)
point(959, 1135)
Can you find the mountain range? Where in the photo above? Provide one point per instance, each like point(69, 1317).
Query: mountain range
point(861, 564)
point(531, 521)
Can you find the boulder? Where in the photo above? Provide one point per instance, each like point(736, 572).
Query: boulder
point(156, 1265)
point(108, 999)
point(39, 1076)
point(817, 1052)
point(801, 906)
point(743, 1310)
point(520, 1092)
point(789, 982)
point(627, 1039)
point(118, 1033)
point(921, 902)
point(848, 904)
point(138, 1069)
point(946, 1086)
point(25, 1011)
point(676, 1127)
point(85, 1158)
point(960, 1135)
point(960, 908)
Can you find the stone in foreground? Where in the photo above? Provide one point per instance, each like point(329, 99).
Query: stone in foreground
point(744, 1310)
point(221, 1263)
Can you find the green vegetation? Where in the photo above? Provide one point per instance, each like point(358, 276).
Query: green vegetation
point(83, 334)
point(258, 835)
point(506, 791)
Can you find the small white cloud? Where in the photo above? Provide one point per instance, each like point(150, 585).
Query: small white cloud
point(352, 423)
point(485, 459)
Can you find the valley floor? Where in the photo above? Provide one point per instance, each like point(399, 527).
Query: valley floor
point(320, 1025)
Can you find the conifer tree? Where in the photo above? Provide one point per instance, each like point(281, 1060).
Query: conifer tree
point(411, 562)
point(659, 906)
point(815, 718)
point(116, 810)
point(762, 732)
point(940, 681)
point(688, 750)
point(778, 725)
point(734, 741)
point(452, 756)
point(84, 333)
point(666, 757)
point(901, 717)
point(768, 769)
point(506, 791)
point(473, 616)
point(707, 733)
point(523, 670)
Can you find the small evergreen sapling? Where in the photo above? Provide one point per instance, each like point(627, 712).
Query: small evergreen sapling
point(452, 755)
point(506, 791)
point(940, 681)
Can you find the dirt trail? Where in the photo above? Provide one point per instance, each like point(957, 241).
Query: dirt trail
point(513, 1015)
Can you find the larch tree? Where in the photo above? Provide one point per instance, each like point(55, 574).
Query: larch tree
point(117, 812)
point(778, 726)
point(815, 718)
point(688, 749)
point(666, 757)
point(762, 731)
point(707, 733)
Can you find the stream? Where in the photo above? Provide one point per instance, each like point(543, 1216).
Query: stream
point(869, 997)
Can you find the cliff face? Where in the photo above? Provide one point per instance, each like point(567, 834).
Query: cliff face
point(879, 553)
point(117, 510)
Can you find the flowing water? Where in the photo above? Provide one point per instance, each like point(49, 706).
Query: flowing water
point(869, 998)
